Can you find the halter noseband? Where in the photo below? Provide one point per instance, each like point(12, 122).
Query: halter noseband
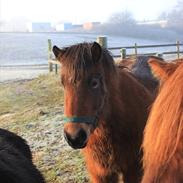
point(93, 120)
point(81, 119)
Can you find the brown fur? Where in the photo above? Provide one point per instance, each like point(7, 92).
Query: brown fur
point(163, 140)
point(113, 147)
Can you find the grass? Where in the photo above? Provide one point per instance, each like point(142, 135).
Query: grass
point(33, 102)
point(71, 165)
point(28, 100)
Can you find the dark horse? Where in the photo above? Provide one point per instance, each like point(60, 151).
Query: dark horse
point(163, 139)
point(105, 109)
point(16, 160)
point(142, 71)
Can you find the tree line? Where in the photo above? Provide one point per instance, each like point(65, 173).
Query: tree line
point(123, 23)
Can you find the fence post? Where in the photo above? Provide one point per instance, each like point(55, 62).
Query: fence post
point(178, 49)
point(102, 41)
point(136, 49)
point(160, 55)
point(50, 55)
point(123, 53)
point(56, 69)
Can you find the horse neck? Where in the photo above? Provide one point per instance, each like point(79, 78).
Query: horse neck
point(123, 91)
point(118, 122)
point(114, 105)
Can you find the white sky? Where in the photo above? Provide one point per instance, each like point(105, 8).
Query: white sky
point(78, 11)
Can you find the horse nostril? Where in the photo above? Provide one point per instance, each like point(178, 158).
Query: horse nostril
point(81, 137)
point(78, 141)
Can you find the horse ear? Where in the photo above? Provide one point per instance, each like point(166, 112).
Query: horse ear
point(96, 51)
point(161, 69)
point(58, 52)
point(126, 63)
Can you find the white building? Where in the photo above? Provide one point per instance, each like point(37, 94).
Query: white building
point(39, 27)
point(17, 24)
point(63, 26)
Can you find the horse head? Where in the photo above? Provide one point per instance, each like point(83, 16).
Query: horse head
point(83, 78)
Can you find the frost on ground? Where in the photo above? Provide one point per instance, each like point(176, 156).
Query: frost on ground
point(34, 110)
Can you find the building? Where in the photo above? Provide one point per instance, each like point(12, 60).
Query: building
point(77, 26)
point(63, 26)
point(16, 24)
point(39, 27)
point(90, 25)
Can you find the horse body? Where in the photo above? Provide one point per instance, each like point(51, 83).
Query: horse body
point(16, 160)
point(142, 71)
point(114, 146)
point(7, 137)
point(95, 87)
point(163, 145)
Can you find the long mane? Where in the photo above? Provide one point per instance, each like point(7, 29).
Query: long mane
point(164, 130)
point(77, 59)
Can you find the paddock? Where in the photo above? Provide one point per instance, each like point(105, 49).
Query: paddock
point(122, 52)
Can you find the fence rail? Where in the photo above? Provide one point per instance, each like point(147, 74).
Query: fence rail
point(160, 54)
point(102, 40)
point(123, 50)
point(144, 46)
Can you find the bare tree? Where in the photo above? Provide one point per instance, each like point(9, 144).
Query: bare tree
point(163, 16)
point(175, 17)
point(122, 18)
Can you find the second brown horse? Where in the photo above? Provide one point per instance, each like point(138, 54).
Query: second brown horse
point(163, 139)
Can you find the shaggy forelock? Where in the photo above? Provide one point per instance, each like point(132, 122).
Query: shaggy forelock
point(77, 60)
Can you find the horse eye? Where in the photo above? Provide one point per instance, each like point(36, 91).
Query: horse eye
point(95, 83)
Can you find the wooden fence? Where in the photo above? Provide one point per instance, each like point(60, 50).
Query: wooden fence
point(122, 50)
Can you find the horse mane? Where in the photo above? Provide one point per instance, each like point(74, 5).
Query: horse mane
point(164, 130)
point(77, 60)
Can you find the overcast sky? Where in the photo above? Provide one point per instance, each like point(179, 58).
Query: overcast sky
point(79, 11)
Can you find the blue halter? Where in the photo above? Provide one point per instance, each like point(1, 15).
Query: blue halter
point(82, 119)
point(93, 120)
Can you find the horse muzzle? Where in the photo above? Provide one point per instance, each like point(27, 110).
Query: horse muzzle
point(77, 141)
point(77, 137)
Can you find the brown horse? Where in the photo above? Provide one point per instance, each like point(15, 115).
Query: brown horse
point(106, 110)
point(163, 140)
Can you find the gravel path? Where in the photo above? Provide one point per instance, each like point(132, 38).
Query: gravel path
point(14, 73)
